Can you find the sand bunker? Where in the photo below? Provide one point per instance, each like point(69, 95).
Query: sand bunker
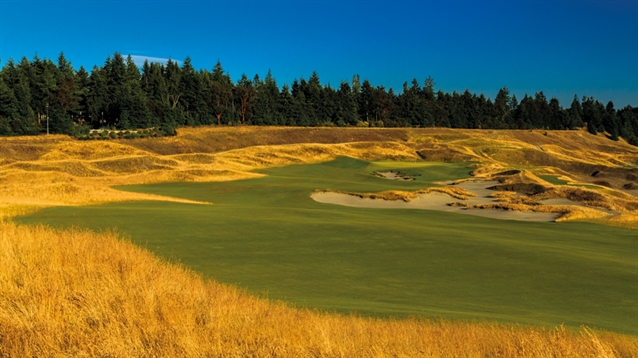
point(439, 201)
point(393, 175)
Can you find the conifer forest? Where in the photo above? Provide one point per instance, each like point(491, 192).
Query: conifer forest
point(41, 95)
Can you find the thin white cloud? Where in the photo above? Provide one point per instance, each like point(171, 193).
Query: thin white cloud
point(139, 60)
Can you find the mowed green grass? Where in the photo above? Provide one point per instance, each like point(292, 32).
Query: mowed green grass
point(268, 236)
point(553, 179)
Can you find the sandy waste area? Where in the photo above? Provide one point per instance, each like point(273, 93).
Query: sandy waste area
point(439, 201)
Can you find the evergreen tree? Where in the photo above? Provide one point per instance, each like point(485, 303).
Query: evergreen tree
point(610, 121)
point(287, 116)
point(628, 123)
point(557, 118)
point(190, 88)
point(8, 109)
point(266, 106)
point(592, 114)
point(67, 92)
point(83, 83)
point(245, 94)
point(328, 106)
point(428, 89)
point(42, 83)
point(132, 100)
point(542, 114)
point(366, 100)
point(97, 97)
point(503, 108)
point(468, 108)
point(156, 92)
point(527, 113)
point(17, 79)
point(347, 107)
point(575, 114)
point(219, 89)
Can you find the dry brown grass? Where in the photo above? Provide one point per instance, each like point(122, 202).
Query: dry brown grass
point(569, 212)
point(625, 220)
point(78, 293)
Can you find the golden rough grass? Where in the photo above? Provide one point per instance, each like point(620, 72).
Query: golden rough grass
point(57, 170)
point(78, 293)
point(626, 220)
point(82, 173)
point(569, 212)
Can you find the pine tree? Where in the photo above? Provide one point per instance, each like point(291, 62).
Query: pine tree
point(502, 106)
point(218, 91)
point(610, 121)
point(245, 94)
point(156, 92)
point(575, 114)
point(192, 99)
point(82, 81)
point(347, 107)
point(132, 100)
point(628, 123)
point(592, 115)
point(97, 97)
point(266, 105)
point(8, 109)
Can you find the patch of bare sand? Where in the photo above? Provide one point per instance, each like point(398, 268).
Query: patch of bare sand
point(439, 201)
point(393, 176)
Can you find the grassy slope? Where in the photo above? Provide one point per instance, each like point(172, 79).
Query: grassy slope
point(76, 293)
point(38, 172)
point(266, 234)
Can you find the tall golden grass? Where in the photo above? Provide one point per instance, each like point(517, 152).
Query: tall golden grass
point(78, 293)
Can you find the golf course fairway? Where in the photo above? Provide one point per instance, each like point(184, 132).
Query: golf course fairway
point(267, 235)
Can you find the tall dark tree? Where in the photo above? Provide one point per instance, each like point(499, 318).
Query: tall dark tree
point(347, 106)
point(132, 100)
point(97, 97)
point(83, 83)
point(502, 107)
point(17, 79)
point(245, 93)
point(575, 114)
point(610, 121)
point(8, 109)
point(628, 122)
point(266, 106)
point(156, 92)
point(190, 88)
point(366, 101)
point(593, 115)
point(219, 90)
point(43, 87)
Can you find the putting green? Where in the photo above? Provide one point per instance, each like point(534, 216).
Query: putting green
point(269, 236)
point(553, 179)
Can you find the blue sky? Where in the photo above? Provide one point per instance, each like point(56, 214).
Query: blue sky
point(560, 47)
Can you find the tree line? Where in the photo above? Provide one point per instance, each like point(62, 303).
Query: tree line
point(38, 93)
